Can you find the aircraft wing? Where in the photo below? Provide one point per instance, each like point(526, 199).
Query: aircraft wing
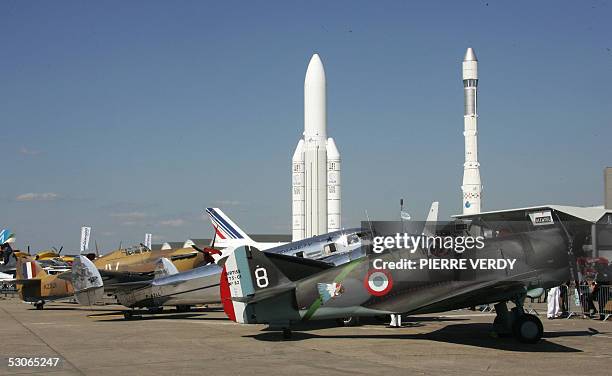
point(485, 292)
point(110, 277)
point(126, 285)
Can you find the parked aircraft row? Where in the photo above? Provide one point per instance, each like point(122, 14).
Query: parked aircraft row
point(329, 276)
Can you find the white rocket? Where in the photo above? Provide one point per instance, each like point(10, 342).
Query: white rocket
point(315, 164)
point(472, 187)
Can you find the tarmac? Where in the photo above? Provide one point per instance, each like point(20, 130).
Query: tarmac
point(98, 341)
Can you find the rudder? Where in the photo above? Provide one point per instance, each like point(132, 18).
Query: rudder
point(248, 272)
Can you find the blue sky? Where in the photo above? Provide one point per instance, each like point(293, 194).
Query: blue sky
point(132, 117)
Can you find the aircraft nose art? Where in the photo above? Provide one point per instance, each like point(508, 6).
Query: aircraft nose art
point(378, 282)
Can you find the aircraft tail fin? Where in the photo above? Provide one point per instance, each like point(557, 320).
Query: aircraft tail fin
point(164, 268)
point(28, 268)
point(224, 227)
point(87, 281)
point(5, 235)
point(249, 275)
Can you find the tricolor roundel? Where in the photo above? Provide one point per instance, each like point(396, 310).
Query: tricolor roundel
point(378, 282)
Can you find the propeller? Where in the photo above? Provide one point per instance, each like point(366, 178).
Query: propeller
point(60, 250)
point(207, 252)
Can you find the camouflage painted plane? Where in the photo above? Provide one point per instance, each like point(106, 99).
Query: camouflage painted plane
point(258, 289)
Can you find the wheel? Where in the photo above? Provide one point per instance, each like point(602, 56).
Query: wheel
point(39, 306)
point(286, 333)
point(127, 315)
point(528, 328)
point(183, 308)
point(155, 309)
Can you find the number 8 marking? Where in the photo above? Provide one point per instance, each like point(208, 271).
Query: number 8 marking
point(261, 276)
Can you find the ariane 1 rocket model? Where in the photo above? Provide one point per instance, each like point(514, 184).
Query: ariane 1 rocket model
point(315, 164)
point(472, 187)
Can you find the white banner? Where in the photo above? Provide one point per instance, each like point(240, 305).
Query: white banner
point(85, 234)
point(541, 218)
point(148, 240)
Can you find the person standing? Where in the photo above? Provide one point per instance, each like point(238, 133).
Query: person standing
point(6, 252)
point(554, 308)
point(396, 320)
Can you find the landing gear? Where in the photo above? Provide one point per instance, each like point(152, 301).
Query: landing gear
point(525, 327)
point(39, 305)
point(128, 315)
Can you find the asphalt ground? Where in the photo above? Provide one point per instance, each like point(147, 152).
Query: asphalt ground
point(99, 341)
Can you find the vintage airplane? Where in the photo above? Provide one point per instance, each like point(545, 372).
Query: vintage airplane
point(257, 288)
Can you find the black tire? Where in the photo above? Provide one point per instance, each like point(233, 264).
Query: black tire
point(127, 315)
point(528, 328)
point(39, 306)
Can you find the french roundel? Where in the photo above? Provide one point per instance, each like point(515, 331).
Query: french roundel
point(378, 282)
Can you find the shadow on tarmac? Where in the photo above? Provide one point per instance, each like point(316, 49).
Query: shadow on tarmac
point(79, 308)
point(476, 334)
point(144, 316)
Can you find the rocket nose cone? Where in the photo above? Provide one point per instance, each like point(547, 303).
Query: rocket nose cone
point(315, 69)
point(470, 55)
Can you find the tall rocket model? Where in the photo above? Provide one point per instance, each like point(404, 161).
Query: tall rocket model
point(472, 188)
point(315, 164)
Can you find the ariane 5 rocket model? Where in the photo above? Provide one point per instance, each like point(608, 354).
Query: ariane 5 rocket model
point(472, 187)
point(315, 164)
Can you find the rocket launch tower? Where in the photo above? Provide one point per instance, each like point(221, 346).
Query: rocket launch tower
point(472, 187)
point(315, 164)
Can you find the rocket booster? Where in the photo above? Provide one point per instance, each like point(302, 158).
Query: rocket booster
point(472, 187)
point(315, 163)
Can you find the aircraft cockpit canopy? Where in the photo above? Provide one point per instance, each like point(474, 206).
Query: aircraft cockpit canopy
point(135, 250)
